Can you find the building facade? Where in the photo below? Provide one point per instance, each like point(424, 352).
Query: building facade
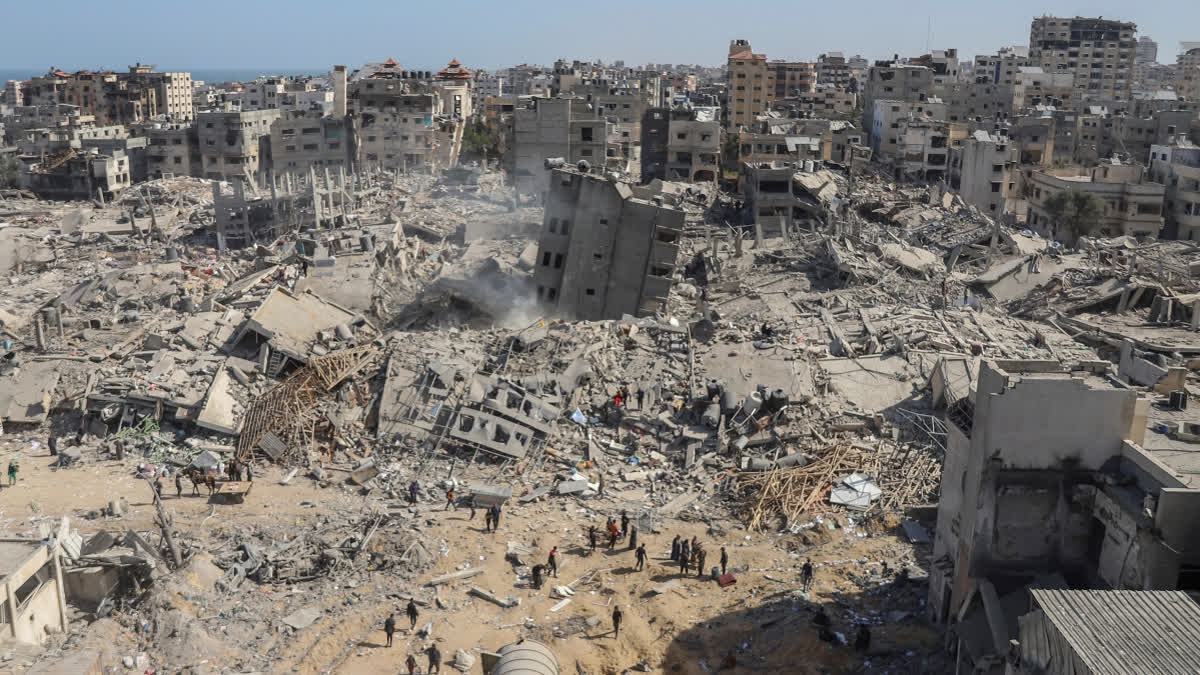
point(1098, 52)
point(1132, 204)
point(1177, 168)
point(235, 144)
point(746, 78)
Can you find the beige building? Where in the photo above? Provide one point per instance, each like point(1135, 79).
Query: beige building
point(555, 128)
point(1177, 167)
point(173, 148)
point(826, 99)
point(746, 77)
point(234, 144)
point(785, 79)
point(1133, 204)
point(301, 139)
point(985, 172)
point(1187, 74)
point(173, 92)
point(693, 151)
point(1098, 52)
point(33, 598)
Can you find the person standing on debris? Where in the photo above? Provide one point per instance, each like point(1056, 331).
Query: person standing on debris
point(632, 537)
point(675, 549)
point(617, 616)
point(617, 400)
point(450, 500)
point(863, 641)
point(684, 561)
point(592, 537)
point(641, 557)
point(624, 523)
point(641, 396)
point(411, 662)
point(389, 627)
point(724, 560)
point(435, 660)
point(495, 518)
point(701, 555)
point(179, 485)
point(538, 571)
point(487, 520)
point(414, 489)
point(411, 611)
point(157, 486)
point(612, 533)
point(806, 574)
point(685, 551)
point(12, 471)
point(552, 561)
point(52, 443)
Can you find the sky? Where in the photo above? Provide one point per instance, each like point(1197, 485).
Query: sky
point(311, 35)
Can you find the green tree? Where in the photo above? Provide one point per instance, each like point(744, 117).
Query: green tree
point(479, 140)
point(1076, 211)
point(732, 148)
point(10, 172)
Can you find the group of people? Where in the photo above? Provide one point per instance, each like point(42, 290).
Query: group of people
point(692, 554)
point(622, 397)
point(435, 654)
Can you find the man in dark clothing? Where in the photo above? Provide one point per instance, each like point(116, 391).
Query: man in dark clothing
point(53, 445)
point(414, 488)
point(592, 537)
point(685, 551)
point(806, 574)
point(538, 570)
point(617, 616)
point(411, 662)
point(389, 627)
point(675, 549)
point(863, 642)
point(632, 537)
point(411, 610)
point(487, 520)
point(495, 517)
point(472, 517)
point(552, 561)
point(683, 564)
point(641, 396)
point(700, 556)
point(624, 524)
point(249, 473)
point(641, 557)
point(179, 485)
point(724, 560)
point(435, 660)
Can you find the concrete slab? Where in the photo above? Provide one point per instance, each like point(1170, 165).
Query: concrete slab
point(219, 413)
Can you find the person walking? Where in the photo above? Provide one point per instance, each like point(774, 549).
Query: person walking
point(389, 627)
point(641, 396)
point(592, 537)
point(617, 616)
point(624, 523)
point(414, 489)
point(411, 663)
point(552, 561)
point(641, 557)
point(632, 537)
point(52, 443)
point(487, 520)
point(675, 549)
point(179, 485)
point(450, 500)
point(612, 533)
point(538, 571)
point(435, 660)
point(12, 471)
point(806, 574)
point(411, 611)
point(495, 518)
point(472, 516)
point(724, 560)
point(683, 564)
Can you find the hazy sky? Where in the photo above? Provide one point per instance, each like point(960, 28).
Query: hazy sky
point(313, 34)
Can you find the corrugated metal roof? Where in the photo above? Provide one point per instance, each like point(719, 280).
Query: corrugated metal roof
point(1126, 631)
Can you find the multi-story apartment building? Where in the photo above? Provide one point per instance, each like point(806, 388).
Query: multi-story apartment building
point(606, 248)
point(886, 119)
point(895, 82)
point(746, 78)
point(1187, 72)
point(826, 99)
point(304, 139)
point(786, 79)
point(235, 144)
point(1146, 50)
point(546, 128)
point(1133, 205)
point(832, 69)
point(1177, 168)
point(395, 111)
point(694, 149)
point(1099, 53)
point(1001, 67)
point(985, 172)
point(173, 148)
point(116, 98)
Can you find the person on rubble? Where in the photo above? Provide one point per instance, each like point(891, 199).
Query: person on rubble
point(411, 611)
point(632, 537)
point(414, 489)
point(675, 549)
point(12, 471)
point(435, 660)
point(472, 503)
point(685, 550)
point(684, 560)
point(52, 443)
point(249, 475)
point(806, 574)
point(701, 555)
point(538, 571)
point(552, 561)
point(487, 520)
point(592, 537)
point(617, 616)
point(179, 484)
point(641, 397)
point(612, 533)
point(624, 523)
point(450, 500)
point(495, 517)
point(389, 627)
point(641, 557)
point(724, 560)
point(411, 663)
point(617, 400)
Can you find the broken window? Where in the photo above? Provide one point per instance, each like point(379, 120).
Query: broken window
point(585, 134)
point(541, 290)
point(553, 227)
point(551, 294)
point(558, 261)
point(590, 291)
point(546, 259)
point(565, 223)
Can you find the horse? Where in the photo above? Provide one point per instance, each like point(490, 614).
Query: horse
point(200, 477)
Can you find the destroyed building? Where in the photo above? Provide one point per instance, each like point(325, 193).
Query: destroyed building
point(32, 584)
point(567, 128)
point(606, 248)
point(235, 144)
